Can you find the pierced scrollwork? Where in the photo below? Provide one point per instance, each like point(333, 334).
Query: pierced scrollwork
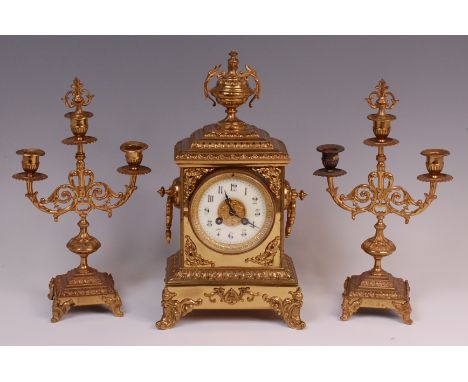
point(380, 197)
point(231, 297)
point(81, 198)
point(267, 257)
point(63, 194)
point(191, 178)
point(273, 176)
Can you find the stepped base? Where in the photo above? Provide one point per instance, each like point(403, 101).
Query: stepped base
point(83, 287)
point(253, 288)
point(376, 290)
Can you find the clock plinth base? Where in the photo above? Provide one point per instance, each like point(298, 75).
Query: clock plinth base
point(379, 290)
point(235, 289)
point(83, 287)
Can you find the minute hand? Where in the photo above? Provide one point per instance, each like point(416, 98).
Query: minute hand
point(247, 221)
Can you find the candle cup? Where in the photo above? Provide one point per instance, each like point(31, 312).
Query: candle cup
point(133, 153)
point(30, 160)
point(435, 161)
point(79, 123)
point(330, 160)
point(330, 156)
point(381, 126)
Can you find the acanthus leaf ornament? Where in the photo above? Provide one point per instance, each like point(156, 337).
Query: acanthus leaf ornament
point(267, 257)
point(288, 308)
point(191, 178)
point(192, 257)
point(273, 177)
point(174, 310)
point(230, 296)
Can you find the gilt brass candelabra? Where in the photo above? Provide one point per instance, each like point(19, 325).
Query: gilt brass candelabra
point(82, 194)
point(377, 288)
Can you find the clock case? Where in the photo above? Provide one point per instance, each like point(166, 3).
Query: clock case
point(199, 277)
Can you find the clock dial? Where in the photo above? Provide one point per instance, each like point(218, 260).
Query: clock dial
point(232, 211)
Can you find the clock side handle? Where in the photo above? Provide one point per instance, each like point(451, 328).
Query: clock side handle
point(173, 199)
point(290, 198)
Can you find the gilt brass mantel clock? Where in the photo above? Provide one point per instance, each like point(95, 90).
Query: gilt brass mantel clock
point(231, 192)
point(377, 288)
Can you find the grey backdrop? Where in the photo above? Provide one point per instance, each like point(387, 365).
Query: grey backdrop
point(313, 89)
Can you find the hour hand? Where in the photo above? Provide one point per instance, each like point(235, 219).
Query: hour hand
point(228, 202)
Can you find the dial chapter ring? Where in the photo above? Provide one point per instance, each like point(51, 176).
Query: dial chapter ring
point(235, 248)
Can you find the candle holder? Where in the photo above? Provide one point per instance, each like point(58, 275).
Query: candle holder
point(377, 288)
point(82, 194)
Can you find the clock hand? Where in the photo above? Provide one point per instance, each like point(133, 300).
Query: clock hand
point(246, 221)
point(232, 211)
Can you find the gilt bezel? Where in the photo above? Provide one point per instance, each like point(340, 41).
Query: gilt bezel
point(225, 248)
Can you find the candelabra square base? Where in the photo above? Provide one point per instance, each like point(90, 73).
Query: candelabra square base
point(83, 287)
point(376, 289)
point(188, 289)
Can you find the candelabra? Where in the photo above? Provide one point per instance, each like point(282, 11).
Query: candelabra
point(377, 288)
point(82, 285)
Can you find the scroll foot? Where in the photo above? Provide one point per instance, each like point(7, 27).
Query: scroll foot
point(114, 303)
point(288, 309)
point(59, 308)
point(349, 307)
point(174, 310)
point(51, 294)
point(404, 310)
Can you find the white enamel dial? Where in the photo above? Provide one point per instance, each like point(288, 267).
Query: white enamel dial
point(232, 211)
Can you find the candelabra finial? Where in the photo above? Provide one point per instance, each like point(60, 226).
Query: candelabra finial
point(82, 194)
point(377, 288)
point(78, 97)
point(381, 98)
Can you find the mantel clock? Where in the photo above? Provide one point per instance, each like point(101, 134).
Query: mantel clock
point(232, 193)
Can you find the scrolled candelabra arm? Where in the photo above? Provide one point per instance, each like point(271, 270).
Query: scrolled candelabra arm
point(172, 200)
point(63, 194)
point(102, 197)
point(400, 197)
point(340, 200)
